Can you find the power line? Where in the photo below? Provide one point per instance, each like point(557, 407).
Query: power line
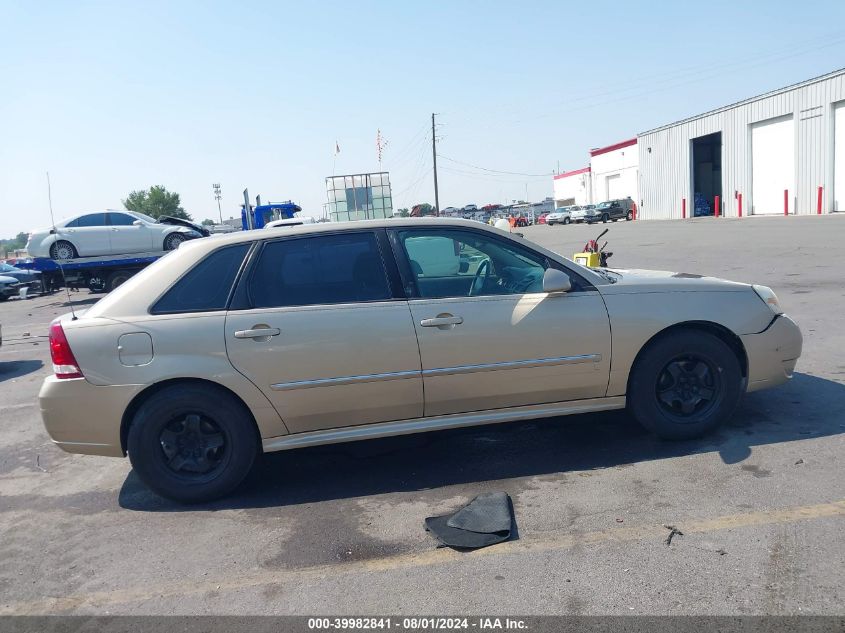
point(495, 171)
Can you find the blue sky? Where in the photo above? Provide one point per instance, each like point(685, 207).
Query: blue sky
point(115, 96)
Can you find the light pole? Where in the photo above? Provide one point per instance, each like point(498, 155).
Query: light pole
point(217, 196)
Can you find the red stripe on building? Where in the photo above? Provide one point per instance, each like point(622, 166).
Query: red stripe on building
point(572, 173)
point(610, 148)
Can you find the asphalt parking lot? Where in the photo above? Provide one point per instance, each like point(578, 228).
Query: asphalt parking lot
point(338, 529)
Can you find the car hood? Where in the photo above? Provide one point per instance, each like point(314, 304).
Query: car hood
point(5, 280)
point(622, 281)
point(199, 228)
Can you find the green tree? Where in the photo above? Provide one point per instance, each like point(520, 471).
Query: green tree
point(403, 213)
point(14, 244)
point(208, 222)
point(422, 209)
point(156, 202)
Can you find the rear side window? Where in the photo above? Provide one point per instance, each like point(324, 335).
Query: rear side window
point(92, 219)
point(206, 287)
point(345, 268)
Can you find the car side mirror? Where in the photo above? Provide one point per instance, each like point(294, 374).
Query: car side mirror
point(555, 280)
point(137, 223)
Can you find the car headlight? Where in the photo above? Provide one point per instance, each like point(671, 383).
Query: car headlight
point(769, 298)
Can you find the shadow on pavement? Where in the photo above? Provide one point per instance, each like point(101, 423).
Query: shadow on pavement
point(76, 300)
point(17, 368)
point(807, 407)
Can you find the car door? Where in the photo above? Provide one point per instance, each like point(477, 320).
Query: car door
point(489, 337)
point(89, 234)
point(126, 237)
point(321, 328)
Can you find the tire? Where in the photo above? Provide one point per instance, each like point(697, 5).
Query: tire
point(172, 241)
point(116, 279)
point(4, 298)
point(630, 216)
point(675, 370)
point(566, 220)
point(62, 249)
point(192, 442)
point(605, 218)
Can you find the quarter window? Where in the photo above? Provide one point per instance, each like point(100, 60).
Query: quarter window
point(457, 263)
point(343, 268)
point(206, 286)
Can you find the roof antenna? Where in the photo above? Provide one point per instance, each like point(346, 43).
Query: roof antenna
point(58, 262)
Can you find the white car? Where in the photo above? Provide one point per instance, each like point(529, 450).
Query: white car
point(288, 222)
point(584, 213)
point(111, 233)
point(561, 215)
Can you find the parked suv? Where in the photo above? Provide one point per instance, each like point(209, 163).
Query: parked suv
point(560, 215)
point(613, 210)
point(322, 333)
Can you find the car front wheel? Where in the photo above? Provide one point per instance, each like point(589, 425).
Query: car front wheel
point(192, 443)
point(566, 220)
point(684, 384)
point(172, 241)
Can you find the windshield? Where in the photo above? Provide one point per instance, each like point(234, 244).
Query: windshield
point(6, 268)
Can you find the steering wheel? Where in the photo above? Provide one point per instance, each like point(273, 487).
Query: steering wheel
point(482, 274)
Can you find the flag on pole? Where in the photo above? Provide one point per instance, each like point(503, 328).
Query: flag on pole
point(336, 148)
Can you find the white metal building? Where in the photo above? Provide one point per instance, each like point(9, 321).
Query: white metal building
point(783, 150)
point(573, 187)
point(615, 171)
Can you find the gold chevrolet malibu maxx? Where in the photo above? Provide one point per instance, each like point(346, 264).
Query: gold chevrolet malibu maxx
point(272, 340)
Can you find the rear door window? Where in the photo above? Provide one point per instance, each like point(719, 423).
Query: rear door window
point(206, 287)
point(326, 269)
point(92, 219)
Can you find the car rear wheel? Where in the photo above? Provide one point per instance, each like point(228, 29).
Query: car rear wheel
point(630, 216)
point(192, 443)
point(63, 250)
point(116, 279)
point(684, 384)
point(172, 241)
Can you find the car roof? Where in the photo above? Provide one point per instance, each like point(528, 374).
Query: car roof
point(335, 227)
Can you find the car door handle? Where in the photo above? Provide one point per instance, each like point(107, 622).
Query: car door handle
point(262, 332)
point(442, 320)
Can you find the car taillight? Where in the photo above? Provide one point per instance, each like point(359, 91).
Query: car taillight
point(64, 363)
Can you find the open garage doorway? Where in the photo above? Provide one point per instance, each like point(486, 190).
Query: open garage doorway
point(706, 173)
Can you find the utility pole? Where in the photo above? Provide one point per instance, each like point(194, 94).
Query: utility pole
point(217, 197)
point(434, 161)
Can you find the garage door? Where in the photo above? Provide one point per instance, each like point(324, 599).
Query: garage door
point(839, 157)
point(613, 187)
point(772, 165)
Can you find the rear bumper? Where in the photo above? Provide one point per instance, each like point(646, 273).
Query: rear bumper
point(773, 353)
point(85, 418)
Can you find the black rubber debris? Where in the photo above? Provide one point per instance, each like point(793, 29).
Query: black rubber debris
point(486, 520)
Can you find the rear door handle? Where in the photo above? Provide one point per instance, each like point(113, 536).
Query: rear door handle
point(442, 320)
point(262, 332)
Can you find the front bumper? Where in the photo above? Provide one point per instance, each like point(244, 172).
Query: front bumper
point(85, 418)
point(772, 353)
